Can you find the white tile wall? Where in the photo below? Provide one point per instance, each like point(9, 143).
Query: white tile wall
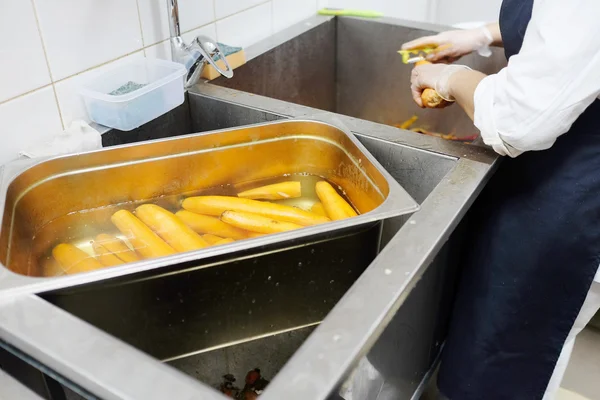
point(195, 13)
point(160, 50)
point(207, 30)
point(22, 62)
point(48, 46)
point(225, 8)
point(246, 27)
point(82, 34)
point(445, 12)
point(457, 11)
point(154, 21)
point(403, 9)
point(289, 12)
point(61, 43)
point(27, 120)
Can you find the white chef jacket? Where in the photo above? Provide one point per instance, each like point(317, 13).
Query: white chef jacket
point(545, 87)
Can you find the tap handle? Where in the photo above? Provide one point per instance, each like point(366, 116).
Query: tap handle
point(209, 49)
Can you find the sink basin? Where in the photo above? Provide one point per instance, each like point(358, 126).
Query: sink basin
point(393, 311)
point(351, 67)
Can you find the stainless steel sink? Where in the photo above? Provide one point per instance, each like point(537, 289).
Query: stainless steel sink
point(351, 67)
point(393, 317)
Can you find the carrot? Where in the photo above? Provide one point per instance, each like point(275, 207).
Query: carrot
point(256, 234)
point(224, 241)
point(106, 257)
point(216, 205)
point(205, 224)
point(257, 223)
point(211, 239)
point(277, 191)
point(170, 228)
point(318, 209)
point(145, 242)
point(429, 97)
point(117, 247)
point(335, 205)
point(50, 267)
point(73, 260)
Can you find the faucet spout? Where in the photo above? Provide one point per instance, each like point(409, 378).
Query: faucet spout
point(173, 9)
point(195, 56)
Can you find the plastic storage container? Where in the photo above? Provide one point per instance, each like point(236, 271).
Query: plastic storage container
point(135, 93)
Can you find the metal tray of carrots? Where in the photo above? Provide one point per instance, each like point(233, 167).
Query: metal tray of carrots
point(134, 208)
point(201, 240)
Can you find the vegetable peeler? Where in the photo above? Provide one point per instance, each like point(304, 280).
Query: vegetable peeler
point(413, 56)
point(350, 12)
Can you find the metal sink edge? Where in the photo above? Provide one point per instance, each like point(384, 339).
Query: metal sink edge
point(336, 345)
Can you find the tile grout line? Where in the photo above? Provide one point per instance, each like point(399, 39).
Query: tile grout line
point(100, 65)
point(39, 28)
point(234, 14)
point(137, 4)
point(142, 49)
point(27, 93)
point(76, 74)
point(72, 76)
point(215, 20)
point(182, 33)
point(262, 3)
point(37, 24)
point(272, 17)
point(208, 23)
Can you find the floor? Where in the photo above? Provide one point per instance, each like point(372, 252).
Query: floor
point(582, 376)
point(582, 379)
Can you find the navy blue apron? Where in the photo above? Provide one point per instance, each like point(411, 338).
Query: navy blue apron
point(535, 246)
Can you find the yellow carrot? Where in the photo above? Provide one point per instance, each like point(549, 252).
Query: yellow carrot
point(430, 97)
point(276, 191)
point(257, 223)
point(106, 258)
point(216, 205)
point(117, 247)
point(224, 241)
point(145, 242)
point(335, 205)
point(170, 228)
point(73, 260)
point(50, 267)
point(318, 209)
point(205, 224)
point(211, 239)
point(256, 234)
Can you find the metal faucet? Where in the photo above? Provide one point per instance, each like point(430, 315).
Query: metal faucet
point(196, 55)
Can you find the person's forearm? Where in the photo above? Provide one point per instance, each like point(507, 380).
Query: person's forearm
point(494, 29)
point(462, 85)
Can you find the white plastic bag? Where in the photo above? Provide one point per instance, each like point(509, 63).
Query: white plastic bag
point(364, 383)
point(77, 138)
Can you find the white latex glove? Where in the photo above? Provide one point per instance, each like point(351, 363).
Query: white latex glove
point(433, 76)
point(455, 44)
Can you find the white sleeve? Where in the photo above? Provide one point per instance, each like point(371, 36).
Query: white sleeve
point(545, 87)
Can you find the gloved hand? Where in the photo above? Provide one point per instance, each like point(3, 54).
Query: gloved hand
point(456, 44)
point(433, 76)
